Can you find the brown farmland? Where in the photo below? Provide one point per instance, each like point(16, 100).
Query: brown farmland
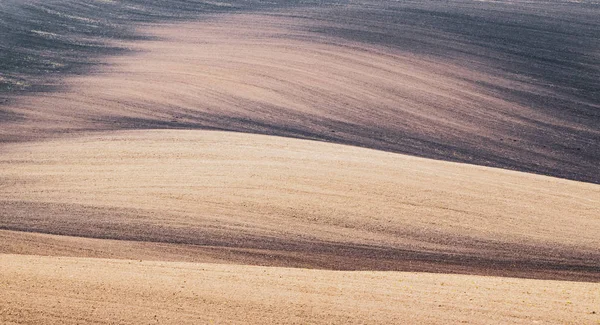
point(287, 166)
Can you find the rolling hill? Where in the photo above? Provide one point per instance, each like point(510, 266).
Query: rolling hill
point(299, 162)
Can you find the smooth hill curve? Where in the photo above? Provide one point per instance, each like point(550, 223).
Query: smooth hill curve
point(279, 201)
point(110, 211)
point(270, 74)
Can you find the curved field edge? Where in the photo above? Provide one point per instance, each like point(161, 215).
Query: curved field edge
point(425, 86)
point(301, 203)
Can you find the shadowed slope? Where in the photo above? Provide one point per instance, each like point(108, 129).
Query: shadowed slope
point(302, 203)
point(42, 41)
point(268, 74)
point(507, 84)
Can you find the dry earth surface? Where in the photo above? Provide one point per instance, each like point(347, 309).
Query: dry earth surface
point(47, 290)
point(301, 203)
point(270, 74)
point(127, 217)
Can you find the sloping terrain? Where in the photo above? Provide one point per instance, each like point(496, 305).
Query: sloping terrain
point(47, 290)
point(302, 203)
point(289, 144)
point(295, 72)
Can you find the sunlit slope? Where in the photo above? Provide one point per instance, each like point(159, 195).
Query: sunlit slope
point(274, 74)
point(47, 290)
point(301, 203)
